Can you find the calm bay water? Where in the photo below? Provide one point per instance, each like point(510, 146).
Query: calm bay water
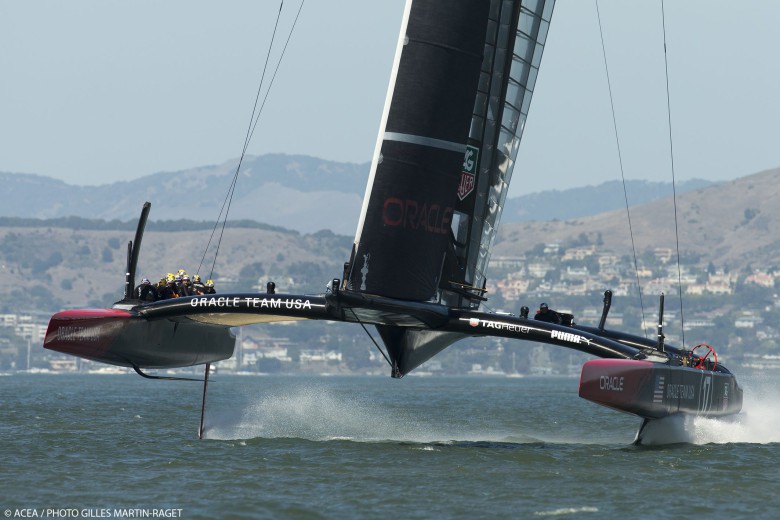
point(369, 447)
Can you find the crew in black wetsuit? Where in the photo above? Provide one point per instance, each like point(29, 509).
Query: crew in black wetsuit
point(146, 291)
point(177, 285)
point(170, 290)
point(197, 285)
point(546, 314)
point(185, 288)
point(160, 287)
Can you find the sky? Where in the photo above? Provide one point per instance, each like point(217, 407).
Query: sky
point(98, 91)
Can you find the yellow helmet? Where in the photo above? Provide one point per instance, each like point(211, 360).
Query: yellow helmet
point(210, 283)
point(181, 272)
point(196, 278)
point(169, 277)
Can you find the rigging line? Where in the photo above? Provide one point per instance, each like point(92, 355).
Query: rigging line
point(257, 119)
point(372, 338)
point(262, 79)
point(247, 138)
point(284, 49)
point(674, 183)
point(622, 175)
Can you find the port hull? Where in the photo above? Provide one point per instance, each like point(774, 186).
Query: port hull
point(654, 390)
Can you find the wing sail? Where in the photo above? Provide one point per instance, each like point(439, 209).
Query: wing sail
point(455, 111)
point(454, 115)
point(515, 40)
point(407, 212)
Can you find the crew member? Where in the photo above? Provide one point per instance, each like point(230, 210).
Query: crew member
point(160, 287)
point(209, 289)
point(146, 291)
point(177, 282)
point(170, 290)
point(185, 289)
point(546, 314)
point(197, 285)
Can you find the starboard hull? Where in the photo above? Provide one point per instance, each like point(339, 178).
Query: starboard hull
point(654, 390)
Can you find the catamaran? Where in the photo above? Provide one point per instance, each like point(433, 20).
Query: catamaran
point(459, 95)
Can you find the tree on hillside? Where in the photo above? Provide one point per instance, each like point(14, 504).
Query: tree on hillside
point(308, 274)
point(250, 274)
point(42, 265)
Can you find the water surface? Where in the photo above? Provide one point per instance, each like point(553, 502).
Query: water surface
point(371, 447)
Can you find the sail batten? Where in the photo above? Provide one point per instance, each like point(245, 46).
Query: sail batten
point(425, 141)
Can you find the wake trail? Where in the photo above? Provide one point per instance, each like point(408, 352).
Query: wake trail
point(318, 414)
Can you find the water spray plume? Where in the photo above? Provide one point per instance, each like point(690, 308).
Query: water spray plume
point(758, 423)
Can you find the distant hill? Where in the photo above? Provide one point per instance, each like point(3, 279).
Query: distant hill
point(590, 200)
point(52, 267)
point(735, 223)
point(293, 192)
point(50, 264)
point(290, 191)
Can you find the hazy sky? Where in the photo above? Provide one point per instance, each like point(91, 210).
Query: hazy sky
point(95, 91)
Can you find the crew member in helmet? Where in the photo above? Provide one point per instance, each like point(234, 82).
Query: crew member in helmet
point(160, 288)
point(170, 290)
point(546, 314)
point(209, 289)
point(197, 285)
point(185, 289)
point(146, 291)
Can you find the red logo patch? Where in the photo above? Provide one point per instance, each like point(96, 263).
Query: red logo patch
point(466, 185)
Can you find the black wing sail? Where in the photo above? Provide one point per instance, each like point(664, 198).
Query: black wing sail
point(455, 112)
point(516, 36)
point(410, 199)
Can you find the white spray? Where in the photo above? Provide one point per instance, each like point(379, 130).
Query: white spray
point(758, 423)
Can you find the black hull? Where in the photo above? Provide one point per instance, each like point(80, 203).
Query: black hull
point(122, 338)
point(656, 390)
